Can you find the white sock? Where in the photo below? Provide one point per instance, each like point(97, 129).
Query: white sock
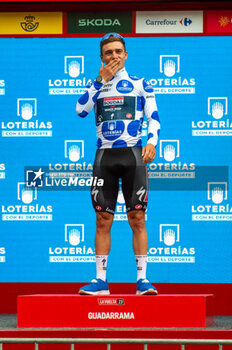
point(101, 266)
point(141, 262)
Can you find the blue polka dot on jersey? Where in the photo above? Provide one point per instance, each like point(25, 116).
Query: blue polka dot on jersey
point(83, 114)
point(133, 127)
point(94, 98)
point(143, 101)
point(84, 98)
point(139, 143)
point(119, 143)
point(99, 143)
point(150, 135)
point(133, 77)
point(146, 85)
point(139, 106)
point(155, 116)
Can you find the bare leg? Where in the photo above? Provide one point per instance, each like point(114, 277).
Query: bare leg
point(137, 223)
point(102, 239)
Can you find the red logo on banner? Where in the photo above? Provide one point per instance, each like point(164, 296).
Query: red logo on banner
point(219, 21)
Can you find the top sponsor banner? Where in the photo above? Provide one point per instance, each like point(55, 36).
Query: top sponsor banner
point(99, 22)
point(25, 23)
point(169, 22)
point(219, 21)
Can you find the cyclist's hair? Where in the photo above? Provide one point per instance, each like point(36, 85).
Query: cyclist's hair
point(110, 40)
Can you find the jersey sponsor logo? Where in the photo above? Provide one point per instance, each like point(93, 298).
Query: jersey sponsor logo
point(169, 249)
point(113, 130)
point(115, 108)
point(124, 86)
point(113, 101)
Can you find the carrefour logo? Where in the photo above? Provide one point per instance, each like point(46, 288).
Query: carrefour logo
point(74, 248)
point(217, 207)
point(218, 124)
point(73, 82)
point(26, 123)
point(169, 248)
point(170, 81)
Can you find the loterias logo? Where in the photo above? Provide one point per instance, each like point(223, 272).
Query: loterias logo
point(170, 249)
point(86, 22)
point(73, 82)
point(171, 80)
point(215, 207)
point(218, 123)
point(74, 249)
point(27, 123)
point(174, 167)
point(29, 24)
point(26, 210)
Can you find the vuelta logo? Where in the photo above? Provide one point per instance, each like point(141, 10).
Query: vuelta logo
point(27, 211)
point(29, 25)
point(217, 208)
point(170, 81)
point(76, 251)
point(73, 82)
point(27, 124)
point(170, 250)
point(219, 124)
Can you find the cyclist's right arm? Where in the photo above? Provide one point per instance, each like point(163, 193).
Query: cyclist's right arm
point(87, 100)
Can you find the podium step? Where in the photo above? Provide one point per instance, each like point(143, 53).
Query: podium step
point(59, 310)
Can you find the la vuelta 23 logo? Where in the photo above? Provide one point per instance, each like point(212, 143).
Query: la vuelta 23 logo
point(29, 25)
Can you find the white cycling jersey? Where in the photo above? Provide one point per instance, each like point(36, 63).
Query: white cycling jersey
point(120, 106)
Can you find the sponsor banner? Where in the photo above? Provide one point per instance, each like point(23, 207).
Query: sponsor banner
point(217, 121)
point(24, 23)
point(219, 21)
point(169, 22)
point(74, 249)
point(105, 22)
point(170, 248)
point(215, 207)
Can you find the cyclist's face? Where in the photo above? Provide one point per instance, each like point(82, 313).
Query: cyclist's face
point(114, 51)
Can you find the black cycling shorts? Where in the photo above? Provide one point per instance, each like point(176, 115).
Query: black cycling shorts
point(113, 164)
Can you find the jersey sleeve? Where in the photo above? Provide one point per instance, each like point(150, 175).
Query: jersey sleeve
point(87, 100)
point(151, 112)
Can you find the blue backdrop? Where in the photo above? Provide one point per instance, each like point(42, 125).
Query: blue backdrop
point(48, 236)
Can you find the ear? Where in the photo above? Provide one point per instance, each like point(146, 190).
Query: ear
point(126, 54)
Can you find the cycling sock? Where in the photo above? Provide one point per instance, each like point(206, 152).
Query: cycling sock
point(141, 262)
point(101, 266)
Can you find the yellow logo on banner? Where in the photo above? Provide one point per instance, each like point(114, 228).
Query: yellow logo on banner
point(22, 23)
